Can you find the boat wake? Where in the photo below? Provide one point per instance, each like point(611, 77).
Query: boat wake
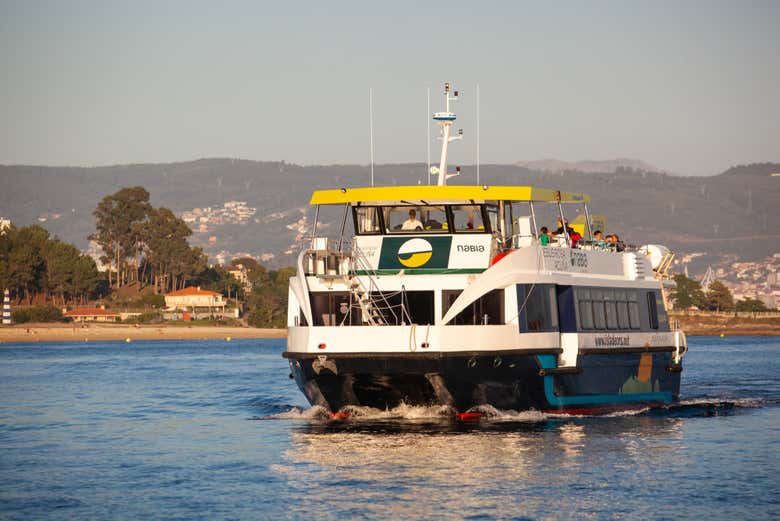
point(689, 408)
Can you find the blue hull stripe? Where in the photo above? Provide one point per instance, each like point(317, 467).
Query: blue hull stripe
point(549, 362)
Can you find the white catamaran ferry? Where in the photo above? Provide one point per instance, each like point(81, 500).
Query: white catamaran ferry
point(446, 296)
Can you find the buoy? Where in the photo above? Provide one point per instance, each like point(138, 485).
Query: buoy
point(722, 335)
point(227, 339)
point(127, 340)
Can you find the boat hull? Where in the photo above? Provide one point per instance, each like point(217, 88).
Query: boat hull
point(510, 380)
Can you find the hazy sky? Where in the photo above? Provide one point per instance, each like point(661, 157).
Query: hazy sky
point(693, 87)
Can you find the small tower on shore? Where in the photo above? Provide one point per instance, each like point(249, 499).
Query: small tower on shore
point(6, 308)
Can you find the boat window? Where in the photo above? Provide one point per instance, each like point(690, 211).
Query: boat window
point(621, 298)
point(538, 306)
point(653, 311)
point(488, 309)
point(407, 307)
point(492, 213)
point(585, 308)
point(599, 316)
point(663, 319)
point(415, 219)
point(610, 307)
point(467, 218)
point(657, 311)
point(367, 220)
point(334, 308)
point(633, 311)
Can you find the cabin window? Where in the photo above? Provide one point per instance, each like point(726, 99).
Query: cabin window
point(415, 219)
point(599, 315)
point(585, 308)
point(657, 311)
point(492, 214)
point(607, 309)
point(488, 309)
point(333, 308)
point(409, 307)
point(610, 308)
point(652, 309)
point(367, 220)
point(538, 307)
point(633, 311)
point(467, 218)
point(663, 319)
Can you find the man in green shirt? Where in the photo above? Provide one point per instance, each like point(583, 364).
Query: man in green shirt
point(544, 236)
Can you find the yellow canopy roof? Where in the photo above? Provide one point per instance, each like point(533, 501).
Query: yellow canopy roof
point(430, 194)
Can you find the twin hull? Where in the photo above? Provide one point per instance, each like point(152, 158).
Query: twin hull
point(517, 380)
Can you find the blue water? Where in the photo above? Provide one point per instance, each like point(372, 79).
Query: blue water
point(216, 430)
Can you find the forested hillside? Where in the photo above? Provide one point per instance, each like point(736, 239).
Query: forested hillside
point(733, 212)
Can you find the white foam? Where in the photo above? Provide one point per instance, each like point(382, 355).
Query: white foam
point(296, 413)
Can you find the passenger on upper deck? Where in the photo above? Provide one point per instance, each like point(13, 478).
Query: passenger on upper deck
point(544, 236)
point(412, 223)
point(598, 240)
point(619, 245)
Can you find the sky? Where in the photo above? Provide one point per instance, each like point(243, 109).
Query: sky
point(690, 87)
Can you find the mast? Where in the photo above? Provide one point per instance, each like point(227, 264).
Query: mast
point(445, 119)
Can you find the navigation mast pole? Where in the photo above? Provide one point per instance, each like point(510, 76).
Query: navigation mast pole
point(445, 119)
point(477, 133)
point(371, 129)
point(428, 133)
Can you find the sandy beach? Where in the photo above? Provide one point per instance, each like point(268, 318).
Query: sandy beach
point(87, 332)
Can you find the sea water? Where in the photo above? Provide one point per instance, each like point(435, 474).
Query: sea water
point(217, 430)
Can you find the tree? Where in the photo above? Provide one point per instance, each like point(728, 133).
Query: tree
point(117, 216)
point(687, 293)
point(26, 264)
point(718, 297)
point(751, 305)
point(255, 272)
point(34, 265)
point(268, 305)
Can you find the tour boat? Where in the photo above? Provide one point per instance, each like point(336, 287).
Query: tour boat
point(445, 295)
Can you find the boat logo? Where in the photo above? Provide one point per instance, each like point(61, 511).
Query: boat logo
point(415, 253)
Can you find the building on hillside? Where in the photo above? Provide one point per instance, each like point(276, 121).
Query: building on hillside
point(239, 272)
point(91, 315)
point(196, 303)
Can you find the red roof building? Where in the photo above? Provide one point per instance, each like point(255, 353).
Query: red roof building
point(191, 298)
point(91, 315)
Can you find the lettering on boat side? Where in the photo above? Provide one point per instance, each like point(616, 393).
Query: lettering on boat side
point(579, 259)
point(612, 341)
point(565, 259)
point(471, 248)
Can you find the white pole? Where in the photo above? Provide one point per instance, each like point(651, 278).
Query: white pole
point(428, 134)
point(477, 133)
point(371, 129)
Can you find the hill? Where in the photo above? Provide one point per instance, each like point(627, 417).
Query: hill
point(557, 166)
point(733, 213)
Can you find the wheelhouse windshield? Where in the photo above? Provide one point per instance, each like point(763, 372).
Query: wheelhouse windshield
point(415, 219)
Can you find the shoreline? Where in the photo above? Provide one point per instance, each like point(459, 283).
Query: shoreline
point(25, 333)
point(726, 324)
point(59, 332)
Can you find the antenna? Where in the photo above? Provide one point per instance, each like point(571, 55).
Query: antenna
point(445, 119)
point(477, 133)
point(428, 134)
point(371, 129)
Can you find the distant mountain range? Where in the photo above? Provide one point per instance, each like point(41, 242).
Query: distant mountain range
point(733, 213)
point(589, 166)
